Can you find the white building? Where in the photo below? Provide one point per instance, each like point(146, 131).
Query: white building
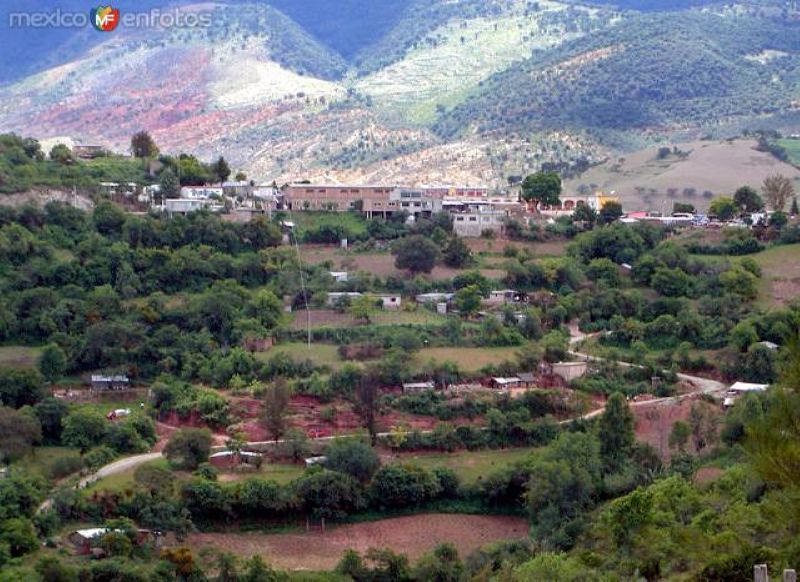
point(201, 192)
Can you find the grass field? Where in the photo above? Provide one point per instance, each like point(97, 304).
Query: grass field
point(470, 466)
point(320, 354)
point(792, 147)
point(468, 359)
point(321, 318)
point(42, 458)
point(19, 356)
point(780, 281)
point(306, 221)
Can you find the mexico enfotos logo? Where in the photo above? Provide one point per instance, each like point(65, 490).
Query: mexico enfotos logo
point(108, 18)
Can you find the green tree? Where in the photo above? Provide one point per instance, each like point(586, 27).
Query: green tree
point(256, 570)
point(51, 413)
point(442, 565)
point(352, 457)
point(188, 447)
point(84, 428)
point(778, 190)
point(671, 282)
point(20, 536)
point(616, 432)
point(19, 432)
point(610, 212)
point(416, 253)
point(143, 146)
point(704, 424)
point(468, 300)
point(20, 387)
point(457, 254)
point(367, 402)
point(679, 437)
point(61, 154)
point(362, 307)
point(795, 210)
point(169, 185)
point(53, 362)
point(586, 214)
point(277, 398)
point(543, 188)
point(723, 208)
point(741, 282)
point(221, 169)
point(226, 568)
point(747, 199)
point(329, 495)
point(108, 218)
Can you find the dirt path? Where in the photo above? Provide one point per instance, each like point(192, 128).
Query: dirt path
point(411, 535)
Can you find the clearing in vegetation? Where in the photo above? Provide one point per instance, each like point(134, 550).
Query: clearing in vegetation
point(780, 281)
point(19, 357)
point(411, 535)
point(470, 466)
point(469, 359)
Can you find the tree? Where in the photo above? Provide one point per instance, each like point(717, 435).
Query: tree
point(747, 199)
point(53, 362)
point(723, 208)
point(671, 282)
point(84, 428)
point(226, 568)
point(683, 207)
point(543, 188)
point(188, 448)
point(277, 398)
point(416, 253)
point(143, 146)
point(329, 495)
point(586, 214)
point(468, 300)
point(703, 423)
point(457, 254)
point(51, 413)
point(610, 212)
point(795, 209)
point(366, 402)
point(168, 181)
point(362, 307)
point(679, 437)
point(108, 218)
point(21, 387)
point(616, 432)
point(256, 570)
point(61, 154)
point(240, 176)
point(221, 169)
point(20, 536)
point(443, 565)
point(778, 190)
point(19, 432)
point(352, 457)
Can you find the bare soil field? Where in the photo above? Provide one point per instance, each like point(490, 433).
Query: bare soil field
point(411, 535)
point(654, 423)
point(716, 166)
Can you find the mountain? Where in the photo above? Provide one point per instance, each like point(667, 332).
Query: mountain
point(412, 90)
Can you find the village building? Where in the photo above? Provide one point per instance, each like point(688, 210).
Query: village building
point(417, 387)
point(339, 276)
point(337, 297)
point(506, 384)
point(504, 297)
point(389, 302)
point(569, 371)
point(437, 298)
point(569, 203)
point(105, 383)
point(225, 459)
point(201, 192)
point(189, 205)
point(334, 198)
point(89, 151)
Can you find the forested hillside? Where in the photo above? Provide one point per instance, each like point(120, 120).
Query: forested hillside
point(649, 71)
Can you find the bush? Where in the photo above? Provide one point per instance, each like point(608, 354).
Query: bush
point(397, 486)
point(188, 448)
point(99, 457)
point(352, 457)
point(63, 466)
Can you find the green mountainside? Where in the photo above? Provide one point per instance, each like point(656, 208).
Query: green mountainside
point(648, 71)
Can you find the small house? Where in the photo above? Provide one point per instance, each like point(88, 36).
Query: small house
point(390, 302)
point(118, 413)
point(504, 297)
point(417, 387)
point(744, 387)
point(105, 383)
point(232, 459)
point(339, 276)
point(527, 380)
point(85, 540)
point(424, 298)
point(506, 384)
